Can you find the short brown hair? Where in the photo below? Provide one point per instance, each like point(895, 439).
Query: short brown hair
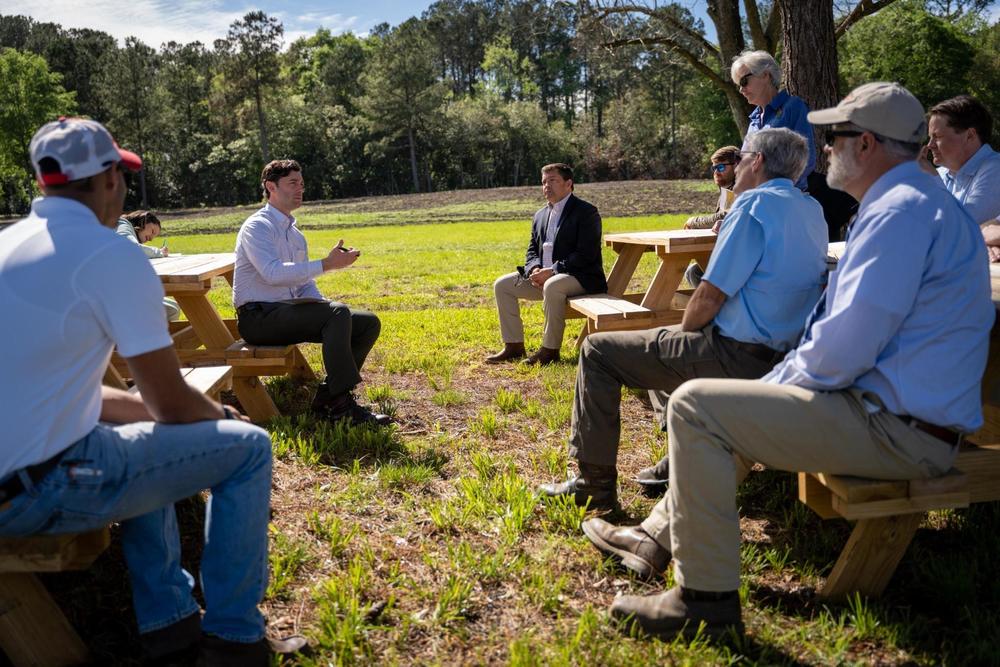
point(564, 170)
point(727, 154)
point(140, 219)
point(963, 112)
point(275, 170)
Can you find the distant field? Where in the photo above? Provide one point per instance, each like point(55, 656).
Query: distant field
point(427, 545)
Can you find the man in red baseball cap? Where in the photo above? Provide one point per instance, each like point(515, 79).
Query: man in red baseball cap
point(76, 455)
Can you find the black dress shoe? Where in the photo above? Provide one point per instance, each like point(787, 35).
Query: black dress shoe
point(218, 652)
point(345, 406)
point(653, 479)
point(596, 485)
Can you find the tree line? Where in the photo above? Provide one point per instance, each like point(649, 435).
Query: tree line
point(473, 93)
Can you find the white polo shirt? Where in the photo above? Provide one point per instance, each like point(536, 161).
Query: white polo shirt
point(70, 290)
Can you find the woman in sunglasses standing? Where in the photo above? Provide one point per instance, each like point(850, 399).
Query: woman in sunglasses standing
point(758, 76)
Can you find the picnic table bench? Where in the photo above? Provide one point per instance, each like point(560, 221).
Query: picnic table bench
point(888, 512)
point(33, 630)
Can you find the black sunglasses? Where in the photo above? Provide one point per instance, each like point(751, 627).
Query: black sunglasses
point(745, 79)
point(830, 136)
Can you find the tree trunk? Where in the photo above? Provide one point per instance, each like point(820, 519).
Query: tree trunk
point(809, 56)
point(725, 14)
point(413, 159)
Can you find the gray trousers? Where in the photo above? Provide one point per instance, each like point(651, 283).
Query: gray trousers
point(716, 427)
point(660, 360)
point(347, 335)
point(553, 294)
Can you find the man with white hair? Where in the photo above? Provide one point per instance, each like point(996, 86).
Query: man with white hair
point(883, 383)
point(77, 456)
point(764, 276)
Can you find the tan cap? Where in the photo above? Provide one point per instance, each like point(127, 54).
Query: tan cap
point(884, 108)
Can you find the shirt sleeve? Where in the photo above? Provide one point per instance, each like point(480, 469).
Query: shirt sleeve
point(982, 200)
point(737, 251)
point(260, 249)
point(877, 285)
point(134, 318)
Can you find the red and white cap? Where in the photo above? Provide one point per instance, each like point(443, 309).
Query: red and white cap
point(80, 147)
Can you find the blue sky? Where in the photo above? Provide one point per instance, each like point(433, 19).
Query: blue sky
point(158, 21)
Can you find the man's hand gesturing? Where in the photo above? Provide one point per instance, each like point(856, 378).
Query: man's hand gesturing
point(340, 257)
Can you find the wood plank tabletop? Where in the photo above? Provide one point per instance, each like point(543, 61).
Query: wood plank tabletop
point(193, 268)
point(676, 240)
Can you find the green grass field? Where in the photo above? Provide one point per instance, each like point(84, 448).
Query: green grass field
point(428, 545)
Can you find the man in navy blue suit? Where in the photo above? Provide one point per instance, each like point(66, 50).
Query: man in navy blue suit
point(563, 260)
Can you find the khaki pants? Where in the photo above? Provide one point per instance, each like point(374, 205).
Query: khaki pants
point(717, 427)
point(509, 288)
point(658, 359)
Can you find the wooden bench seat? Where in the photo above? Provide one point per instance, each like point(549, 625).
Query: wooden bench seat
point(888, 512)
point(209, 380)
point(609, 313)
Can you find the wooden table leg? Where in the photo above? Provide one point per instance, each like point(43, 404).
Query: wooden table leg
point(619, 277)
point(216, 336)
point(33, 630)
point(871, 555)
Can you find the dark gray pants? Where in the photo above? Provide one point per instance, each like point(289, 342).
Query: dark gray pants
point(347, 335)
point(660, 360)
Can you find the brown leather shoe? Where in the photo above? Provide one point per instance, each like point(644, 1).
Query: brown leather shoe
point(629, 545)
point(510, 352)
point(681, 611)
point(595, 484)
point(544, 356)
point(218, 652)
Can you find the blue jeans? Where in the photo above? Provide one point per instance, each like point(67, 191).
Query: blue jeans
point(133, 473)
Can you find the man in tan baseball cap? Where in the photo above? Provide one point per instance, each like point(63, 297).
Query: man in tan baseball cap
point(883, 383)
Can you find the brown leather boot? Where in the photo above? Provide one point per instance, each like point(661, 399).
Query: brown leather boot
point(680, 611)
point(630, 545)
point(544, 356)
point(596, 484)
point(510, 352)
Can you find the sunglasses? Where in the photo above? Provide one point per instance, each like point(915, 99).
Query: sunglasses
point(745, 79)
point(830, 136)
point(721, 167)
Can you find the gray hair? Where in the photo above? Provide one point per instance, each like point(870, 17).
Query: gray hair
point(785, 152)
point(757, 62)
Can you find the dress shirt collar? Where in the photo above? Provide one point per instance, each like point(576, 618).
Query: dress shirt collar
point(555, 210)
point(277, 217)
point(888, 180)
point(774, 105)
point(971, 166)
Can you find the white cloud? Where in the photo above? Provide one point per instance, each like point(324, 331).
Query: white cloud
point(158, 21)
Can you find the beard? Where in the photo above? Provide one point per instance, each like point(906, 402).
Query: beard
point(842, 167)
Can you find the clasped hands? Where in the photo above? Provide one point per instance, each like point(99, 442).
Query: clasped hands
point(539, 276)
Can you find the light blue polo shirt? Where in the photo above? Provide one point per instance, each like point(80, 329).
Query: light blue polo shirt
point(976, 185)
point(770, 260)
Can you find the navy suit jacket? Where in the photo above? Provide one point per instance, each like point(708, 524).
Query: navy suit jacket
point(577, 246)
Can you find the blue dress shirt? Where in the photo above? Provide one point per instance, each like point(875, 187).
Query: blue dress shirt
point(770, 260)
point(786, 110)
point(977, 184)
point(907, 311)
point(272, 260)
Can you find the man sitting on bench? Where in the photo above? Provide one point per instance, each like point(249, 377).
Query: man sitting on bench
point(277, 301)
point(883, 383)
point(77, 456)
point(763, 278)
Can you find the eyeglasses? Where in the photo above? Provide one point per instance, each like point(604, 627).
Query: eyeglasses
point(830, 136)
point(721, 167)
point(745, 79)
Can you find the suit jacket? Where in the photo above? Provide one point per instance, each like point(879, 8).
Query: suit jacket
point(577, 246)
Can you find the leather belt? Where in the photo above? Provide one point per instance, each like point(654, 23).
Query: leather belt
point(757, 350)
point(945, 435)
point(37, 472)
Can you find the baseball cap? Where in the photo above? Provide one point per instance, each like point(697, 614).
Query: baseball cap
point(81, 148)
point(884, 108)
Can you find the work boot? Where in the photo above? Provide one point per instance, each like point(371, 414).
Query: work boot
point(630, 545)
point(595, 483)
point(345, 406)
point(544, 356)
point(218, 652)
point(653, 479)
point(510, 352)
point(681, 611)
